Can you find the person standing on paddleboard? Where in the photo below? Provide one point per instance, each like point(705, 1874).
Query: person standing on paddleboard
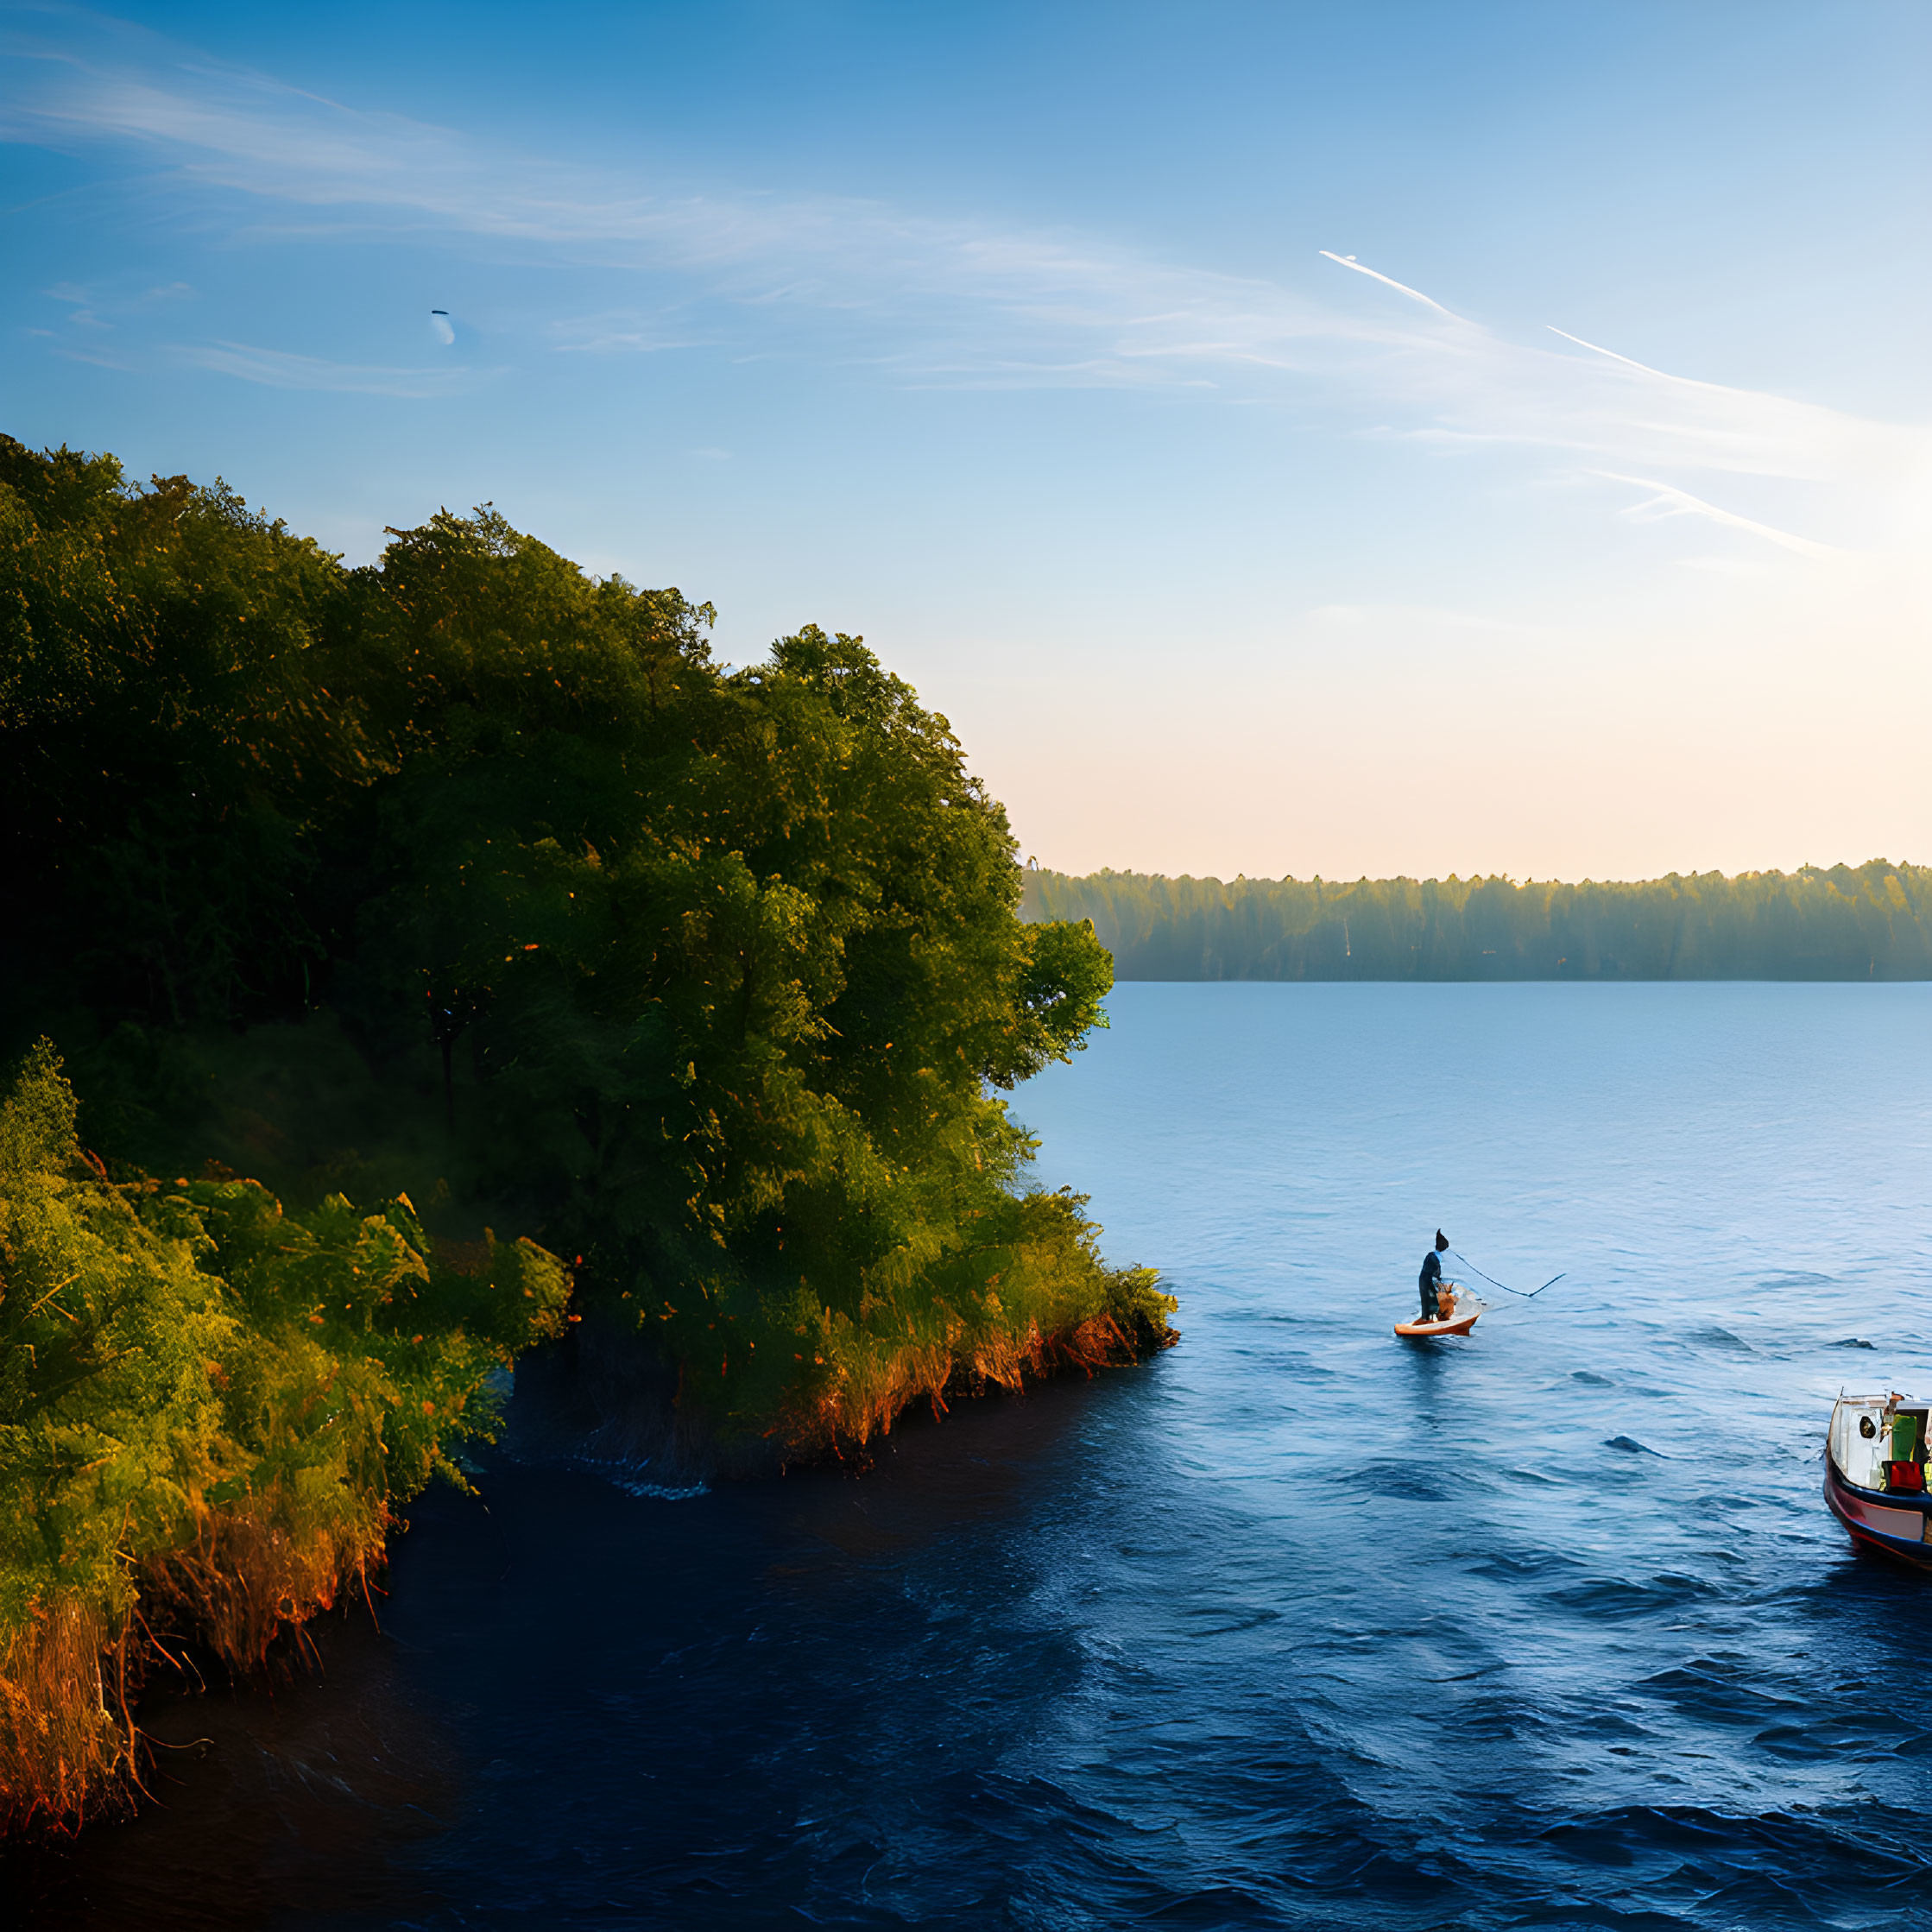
point(1431, 1278)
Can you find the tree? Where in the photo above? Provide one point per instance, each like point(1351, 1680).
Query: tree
point(707, 978)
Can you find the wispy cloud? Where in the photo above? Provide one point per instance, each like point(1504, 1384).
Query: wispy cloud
point(626, 332)
point(100, 306)
point(950, 302)
point(97, 357)
point(257, 137)
point(82, 312)
point(275, 369)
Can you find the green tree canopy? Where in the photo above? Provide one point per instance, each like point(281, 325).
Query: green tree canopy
point(709, 979)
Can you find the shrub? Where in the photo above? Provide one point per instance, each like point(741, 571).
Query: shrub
point(210, 1411)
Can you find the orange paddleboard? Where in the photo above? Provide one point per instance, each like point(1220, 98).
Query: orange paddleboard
point(1460, 1324)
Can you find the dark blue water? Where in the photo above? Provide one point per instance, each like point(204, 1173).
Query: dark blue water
point(1299, 1625)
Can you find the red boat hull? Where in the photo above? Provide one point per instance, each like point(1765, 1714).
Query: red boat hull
point(1894, 1523)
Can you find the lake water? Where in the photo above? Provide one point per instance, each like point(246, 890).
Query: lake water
point(1298, 1625)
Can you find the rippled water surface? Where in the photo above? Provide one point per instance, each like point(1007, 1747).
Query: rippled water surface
point(1299, 1625)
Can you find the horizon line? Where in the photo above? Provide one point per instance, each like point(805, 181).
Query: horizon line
point(1891, 867)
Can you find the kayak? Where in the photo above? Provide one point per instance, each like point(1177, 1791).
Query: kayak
point(1423, 1331)
point(1448, 1296)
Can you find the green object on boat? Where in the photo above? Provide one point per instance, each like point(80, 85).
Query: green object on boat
point(1904, 1437)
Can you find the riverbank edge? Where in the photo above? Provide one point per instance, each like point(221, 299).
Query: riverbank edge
point(604, 1397)
point(233, 1602)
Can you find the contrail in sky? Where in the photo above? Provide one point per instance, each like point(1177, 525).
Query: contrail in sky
point(1414, 294)
point(1628, 362)
point(1670, 500)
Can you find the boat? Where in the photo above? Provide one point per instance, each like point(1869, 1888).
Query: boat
point(1448, 1321)
point(1875, 1475)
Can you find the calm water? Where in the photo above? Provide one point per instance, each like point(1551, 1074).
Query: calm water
point(1299, 1625)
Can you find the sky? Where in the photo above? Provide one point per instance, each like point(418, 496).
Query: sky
point(1314, 439)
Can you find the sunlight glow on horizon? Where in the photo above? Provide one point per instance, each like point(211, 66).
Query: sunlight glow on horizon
point(1580, 530)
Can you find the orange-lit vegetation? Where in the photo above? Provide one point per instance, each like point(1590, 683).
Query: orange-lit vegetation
point(210, 1410)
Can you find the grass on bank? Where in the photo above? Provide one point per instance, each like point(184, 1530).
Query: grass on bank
point(209, 1413)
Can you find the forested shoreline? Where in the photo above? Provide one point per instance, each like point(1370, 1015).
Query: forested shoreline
point(1869, 922)
point(405, 963)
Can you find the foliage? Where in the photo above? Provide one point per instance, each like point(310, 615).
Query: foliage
point(169, 665)
point(1870, 922)
point(209, 1411)
point(709, 979)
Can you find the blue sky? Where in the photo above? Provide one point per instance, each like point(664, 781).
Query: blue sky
point(1006, 336)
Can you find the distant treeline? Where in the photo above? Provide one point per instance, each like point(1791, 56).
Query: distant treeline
point(1850, 923)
